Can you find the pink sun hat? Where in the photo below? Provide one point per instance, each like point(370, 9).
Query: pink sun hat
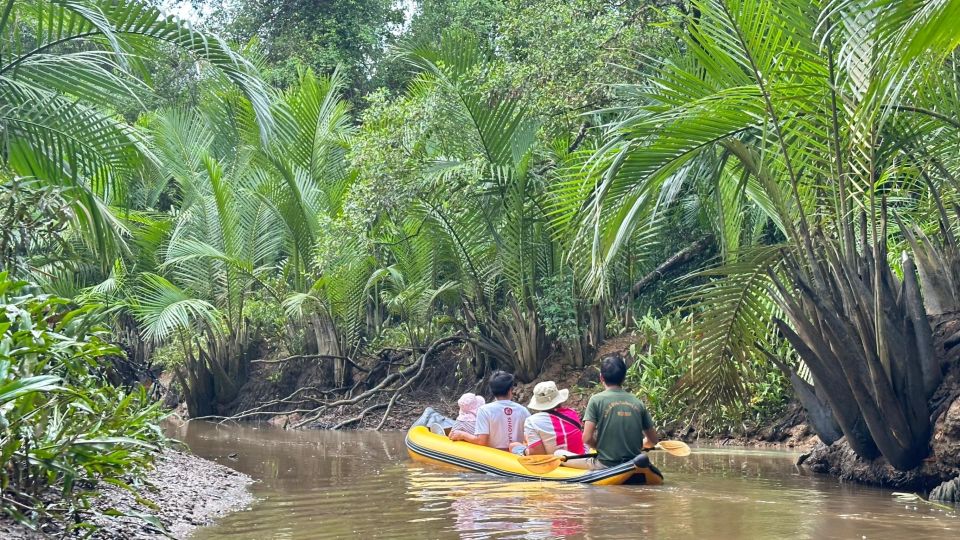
point(469, 403)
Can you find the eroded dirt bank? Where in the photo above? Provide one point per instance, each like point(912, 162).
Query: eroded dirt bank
point(287, 394)
point(184, 490)
point(941, 468)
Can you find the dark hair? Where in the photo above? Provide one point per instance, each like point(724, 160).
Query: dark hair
point(613, 369)
point(500, 383)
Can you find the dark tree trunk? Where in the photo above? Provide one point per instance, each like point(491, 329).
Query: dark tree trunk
point(214, 371)
point(865, 335)
point(675, 261)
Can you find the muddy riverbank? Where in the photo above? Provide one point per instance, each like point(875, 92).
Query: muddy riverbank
point(183, 492)
point(292, 395)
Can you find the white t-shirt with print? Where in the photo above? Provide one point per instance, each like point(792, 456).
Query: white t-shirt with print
point(502, 421)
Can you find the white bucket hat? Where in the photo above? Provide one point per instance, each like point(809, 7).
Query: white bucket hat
point(546, 396)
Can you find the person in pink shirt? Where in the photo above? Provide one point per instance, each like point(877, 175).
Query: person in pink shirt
point(555, 428)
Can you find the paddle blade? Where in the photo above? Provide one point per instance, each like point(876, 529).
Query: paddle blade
point(674, 448)
point(540, 464)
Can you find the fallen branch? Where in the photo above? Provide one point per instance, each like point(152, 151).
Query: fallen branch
point(423, 362)
point(681, 257)
point(360, 416)
point(247, 414)
point(387, 381)
point(384, 385)
point(408, 375)
point(581, 135)
point(350, 361)
point(259, 410)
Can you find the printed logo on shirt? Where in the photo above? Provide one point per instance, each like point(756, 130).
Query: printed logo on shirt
point(623, 408)
point(508, 411)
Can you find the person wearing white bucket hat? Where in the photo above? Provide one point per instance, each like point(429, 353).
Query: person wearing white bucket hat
point(554, 427)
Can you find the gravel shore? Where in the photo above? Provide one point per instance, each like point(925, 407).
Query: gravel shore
point(186, 491)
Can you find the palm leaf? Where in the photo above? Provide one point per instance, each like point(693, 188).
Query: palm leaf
point(734, 310)
point(164, 308)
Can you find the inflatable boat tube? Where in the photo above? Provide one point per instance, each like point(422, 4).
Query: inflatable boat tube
point(425, 446)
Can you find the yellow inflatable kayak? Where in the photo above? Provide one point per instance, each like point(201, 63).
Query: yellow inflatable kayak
point(428, 447)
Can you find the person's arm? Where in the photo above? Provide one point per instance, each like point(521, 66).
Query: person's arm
point(480, 438)
point(535, 445)
point(590, 418)
point(481, 430)
point(650, 438)
point(536, 449)
point(532, 436)
point(590, 434)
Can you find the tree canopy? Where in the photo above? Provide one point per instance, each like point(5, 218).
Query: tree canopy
point(762, 192)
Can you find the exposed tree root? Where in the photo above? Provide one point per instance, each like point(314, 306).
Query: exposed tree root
point(423, 362)
point(312, 357)
point(359, 417)
point(324, 401)
point(676, 260)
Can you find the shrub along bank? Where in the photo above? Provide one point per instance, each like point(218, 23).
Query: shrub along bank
point(660, 376)
point(656, 347)
point(65, 431)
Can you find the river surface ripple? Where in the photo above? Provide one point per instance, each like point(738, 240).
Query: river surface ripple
point(327, 484)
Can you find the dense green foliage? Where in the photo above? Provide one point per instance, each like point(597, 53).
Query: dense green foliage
point(64, 426)
point(69, 164)
point(663, 366)
point(352, 34)
point(526, 175)
point(803, 128)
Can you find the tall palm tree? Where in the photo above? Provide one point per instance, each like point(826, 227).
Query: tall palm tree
point(247, 222)
point(63, 67)
point(498, 234)
point(224, 243)
point(809, 114)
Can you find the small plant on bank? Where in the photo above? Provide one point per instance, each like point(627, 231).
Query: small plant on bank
point(662, 360)
point(63, 427)
point(558, 309)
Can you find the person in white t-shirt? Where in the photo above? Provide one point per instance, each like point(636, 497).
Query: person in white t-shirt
point(499, 422)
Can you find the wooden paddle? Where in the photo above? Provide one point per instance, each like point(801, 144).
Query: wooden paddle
point(543, 464)
point(674, 448)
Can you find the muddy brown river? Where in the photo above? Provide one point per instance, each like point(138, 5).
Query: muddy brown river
point(323, 484)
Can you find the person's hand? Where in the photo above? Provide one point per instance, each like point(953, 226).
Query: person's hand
point(456, 435)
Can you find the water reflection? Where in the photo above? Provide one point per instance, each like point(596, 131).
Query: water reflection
point(479, 507)
point(349, 484)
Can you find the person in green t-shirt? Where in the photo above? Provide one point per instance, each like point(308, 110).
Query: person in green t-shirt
point(617, 424)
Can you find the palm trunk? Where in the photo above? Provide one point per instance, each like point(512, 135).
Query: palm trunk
point(866, 338)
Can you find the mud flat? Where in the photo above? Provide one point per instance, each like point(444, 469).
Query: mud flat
point(183, 490)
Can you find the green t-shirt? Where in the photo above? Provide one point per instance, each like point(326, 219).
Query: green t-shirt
point(620, 418)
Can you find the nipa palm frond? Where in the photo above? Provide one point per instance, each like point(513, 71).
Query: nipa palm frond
point(732, 314)
point(164, 308)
